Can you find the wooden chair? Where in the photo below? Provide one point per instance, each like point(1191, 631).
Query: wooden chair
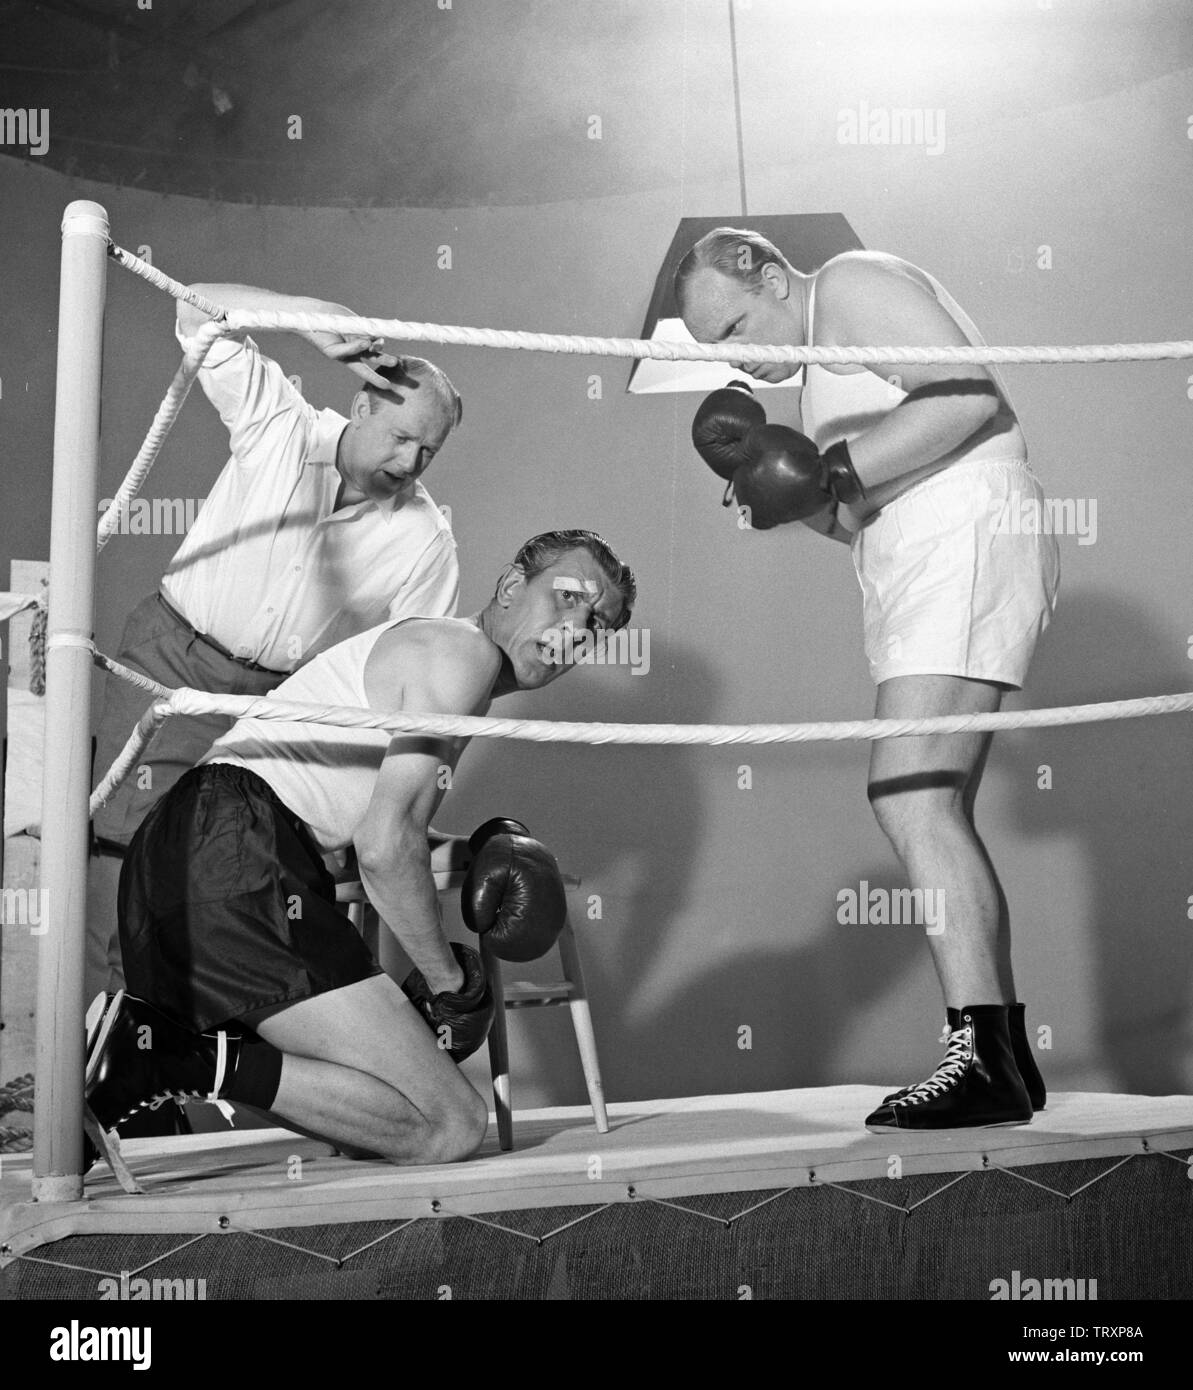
point(448, 864)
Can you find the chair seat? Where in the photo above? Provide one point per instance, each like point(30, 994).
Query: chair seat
point(522, 995)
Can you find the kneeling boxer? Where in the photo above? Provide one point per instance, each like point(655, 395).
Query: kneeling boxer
point(246, 983)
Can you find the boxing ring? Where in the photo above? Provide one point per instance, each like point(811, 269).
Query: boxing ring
point(707, 1168)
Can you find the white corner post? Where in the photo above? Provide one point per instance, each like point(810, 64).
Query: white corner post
point(58, 1108)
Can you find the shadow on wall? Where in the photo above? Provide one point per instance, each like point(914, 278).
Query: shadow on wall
point(668, 1025)
point(631, 822)
point(797, 998)
point(635, 824)
point(1121, 790)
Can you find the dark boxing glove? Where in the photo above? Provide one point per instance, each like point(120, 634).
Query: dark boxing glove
point(461, 1019)
point(841, 477)
point(775, 471)
point(783, 479)
point(721, 424)
point(513, 892)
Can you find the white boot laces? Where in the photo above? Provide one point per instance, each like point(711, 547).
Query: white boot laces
point(155, 1102)
point(950, 1071)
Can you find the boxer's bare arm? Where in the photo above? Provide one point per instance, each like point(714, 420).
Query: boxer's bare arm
point(229, 296)
point(863, 300)
point(428, 667)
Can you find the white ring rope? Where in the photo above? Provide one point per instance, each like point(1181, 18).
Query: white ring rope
point(148, 724)
point(187, 701)
point(184, 700)
point(663, 350)
point(163, 422)
point(239, 320)
point(162, 692)
point(163, 282)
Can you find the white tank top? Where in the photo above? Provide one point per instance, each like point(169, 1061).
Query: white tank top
point(323, 773)
point(842, 404)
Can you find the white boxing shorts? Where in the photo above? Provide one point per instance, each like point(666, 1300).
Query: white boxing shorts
point(957, 576)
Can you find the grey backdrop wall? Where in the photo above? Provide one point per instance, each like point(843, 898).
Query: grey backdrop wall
point(717, 903)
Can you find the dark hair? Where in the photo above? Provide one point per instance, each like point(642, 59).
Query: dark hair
point(543, 550)
point(419, 369)
point(735, 252)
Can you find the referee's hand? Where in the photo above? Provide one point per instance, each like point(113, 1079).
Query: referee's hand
point(361, 355)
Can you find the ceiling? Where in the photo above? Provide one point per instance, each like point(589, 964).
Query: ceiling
point(459, 103)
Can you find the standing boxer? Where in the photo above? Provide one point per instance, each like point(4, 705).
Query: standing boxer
point(912, 467)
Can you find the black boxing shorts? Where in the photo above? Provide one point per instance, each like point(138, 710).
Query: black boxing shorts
point(227, 907)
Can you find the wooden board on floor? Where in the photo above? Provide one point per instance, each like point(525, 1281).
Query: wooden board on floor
point(269, 1179)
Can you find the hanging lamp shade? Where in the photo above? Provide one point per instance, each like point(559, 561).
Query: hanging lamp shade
point(807, 240)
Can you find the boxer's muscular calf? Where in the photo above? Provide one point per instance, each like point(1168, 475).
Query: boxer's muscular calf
point(922, 791)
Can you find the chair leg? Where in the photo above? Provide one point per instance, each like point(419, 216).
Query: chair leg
point(364, 918)
point(370, 927)
point(499, 1054)
point(569, 954)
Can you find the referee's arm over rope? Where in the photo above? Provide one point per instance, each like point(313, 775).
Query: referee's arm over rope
point(359, 352)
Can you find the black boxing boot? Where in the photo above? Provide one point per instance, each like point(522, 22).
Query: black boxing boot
point(144, 1059)
point(138, 1059)
point(169, 1119)
point(1024, 1057)
point(976, 1085)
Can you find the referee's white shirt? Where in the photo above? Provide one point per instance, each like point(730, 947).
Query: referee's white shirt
point(268, 569)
